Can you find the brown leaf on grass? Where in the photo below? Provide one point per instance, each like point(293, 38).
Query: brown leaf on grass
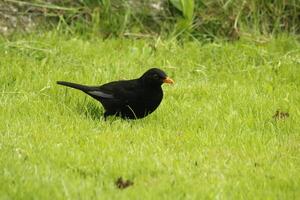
point(279, 115)
point(122, 184)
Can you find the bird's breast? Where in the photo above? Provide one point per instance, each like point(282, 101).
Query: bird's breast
point(152, 99)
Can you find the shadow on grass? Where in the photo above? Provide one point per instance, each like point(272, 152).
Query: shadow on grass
point(91, 110)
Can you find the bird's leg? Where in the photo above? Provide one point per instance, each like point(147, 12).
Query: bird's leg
point(105, 115)
point(108, 113)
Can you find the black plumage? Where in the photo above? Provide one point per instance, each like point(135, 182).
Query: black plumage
point(129, 99)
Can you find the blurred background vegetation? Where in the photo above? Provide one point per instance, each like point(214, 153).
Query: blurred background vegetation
point(203, 20)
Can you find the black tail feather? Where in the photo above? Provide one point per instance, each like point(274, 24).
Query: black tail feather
point(74, 85)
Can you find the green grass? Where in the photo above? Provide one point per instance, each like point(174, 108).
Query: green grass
point(213, 136)
point(205, 20)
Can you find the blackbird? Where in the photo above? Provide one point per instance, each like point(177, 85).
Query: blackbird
point(129, 99)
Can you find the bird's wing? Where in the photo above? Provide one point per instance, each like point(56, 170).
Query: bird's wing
point(97, 93)
point(124, 91)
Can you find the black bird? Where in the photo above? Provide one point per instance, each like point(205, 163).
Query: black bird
point(129, 99)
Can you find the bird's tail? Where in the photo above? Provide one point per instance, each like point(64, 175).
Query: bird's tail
point(74, 85)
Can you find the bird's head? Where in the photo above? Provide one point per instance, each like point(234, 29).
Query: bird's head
point(155, 77)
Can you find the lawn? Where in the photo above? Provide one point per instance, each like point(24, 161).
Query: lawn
point(216, 134)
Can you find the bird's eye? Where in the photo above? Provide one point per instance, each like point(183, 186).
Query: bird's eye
point(155, 76)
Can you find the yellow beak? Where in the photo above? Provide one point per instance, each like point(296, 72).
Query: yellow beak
point(168, 80)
